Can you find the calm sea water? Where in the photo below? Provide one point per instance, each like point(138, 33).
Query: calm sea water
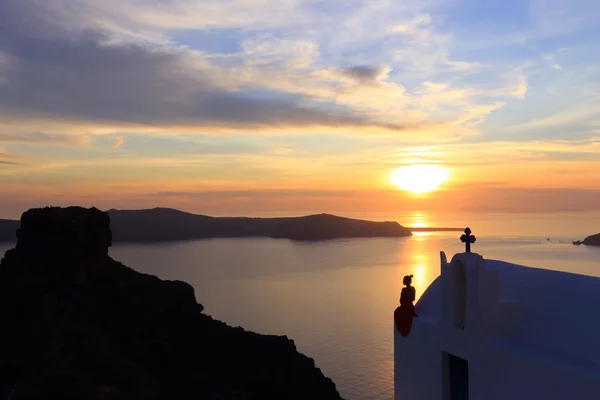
point(336, 298)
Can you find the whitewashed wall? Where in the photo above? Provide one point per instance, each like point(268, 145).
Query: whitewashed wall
point(498, 368)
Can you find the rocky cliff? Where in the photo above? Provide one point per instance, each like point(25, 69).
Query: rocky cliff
point(77, 324)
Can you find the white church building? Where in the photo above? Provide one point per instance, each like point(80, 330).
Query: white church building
point(490, 330)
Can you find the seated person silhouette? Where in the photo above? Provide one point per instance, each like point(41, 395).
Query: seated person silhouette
point(404, 314)
point(407, 296)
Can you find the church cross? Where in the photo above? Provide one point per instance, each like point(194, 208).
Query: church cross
point(467, 239)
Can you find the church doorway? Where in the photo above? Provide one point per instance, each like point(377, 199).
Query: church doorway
point(457, 378)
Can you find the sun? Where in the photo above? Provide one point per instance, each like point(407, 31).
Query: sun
point(419, 178)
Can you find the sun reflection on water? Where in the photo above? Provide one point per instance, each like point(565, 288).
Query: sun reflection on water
point(420, 220)
point(423, 263)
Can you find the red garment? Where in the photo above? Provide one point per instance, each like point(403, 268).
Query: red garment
point(406, 312)
point(403, 317)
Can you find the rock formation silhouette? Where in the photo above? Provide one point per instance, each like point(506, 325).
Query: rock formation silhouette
point(77, 324)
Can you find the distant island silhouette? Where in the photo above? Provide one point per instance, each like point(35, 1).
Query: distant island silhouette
point(167, 224)
point(593, 240)
point(77, 324)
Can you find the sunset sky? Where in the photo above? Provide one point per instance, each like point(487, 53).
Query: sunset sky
point(289, 106)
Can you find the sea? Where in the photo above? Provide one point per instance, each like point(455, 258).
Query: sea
point(336, 298)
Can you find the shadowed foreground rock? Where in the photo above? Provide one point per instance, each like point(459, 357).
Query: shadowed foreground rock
point(78, 325)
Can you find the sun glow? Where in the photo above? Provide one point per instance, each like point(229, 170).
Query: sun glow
point(419, 178)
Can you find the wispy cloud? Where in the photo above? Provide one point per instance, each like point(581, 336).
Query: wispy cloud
point(413, 26)
point(106, 82)
point(9, 159)
point(118, 141)
point(576, 115)
point(130, 83)
point(46, 138)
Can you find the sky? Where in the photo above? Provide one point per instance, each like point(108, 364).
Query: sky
point(248, 107)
